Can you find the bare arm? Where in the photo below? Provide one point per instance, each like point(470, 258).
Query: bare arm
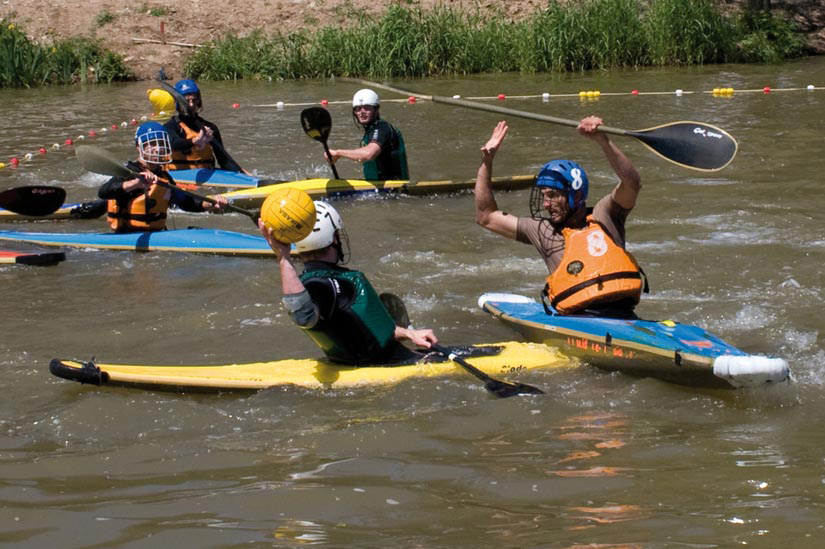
point(366, 153)
point(290, 283)
point(487, 213)
point(630, 183)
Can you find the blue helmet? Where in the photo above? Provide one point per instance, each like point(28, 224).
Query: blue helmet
point(566, 176)
point(153, 143)
point(145, 129)
point(187, 86)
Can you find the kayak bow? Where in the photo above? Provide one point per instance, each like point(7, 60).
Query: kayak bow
point(667, 350)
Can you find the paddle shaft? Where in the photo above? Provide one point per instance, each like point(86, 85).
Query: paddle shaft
point(489, 108)
point(461, 362)
point(252, 215)
point(101, 161)
point(329, 156)
point(502, 389)
point(692, 145)
point(183, 107)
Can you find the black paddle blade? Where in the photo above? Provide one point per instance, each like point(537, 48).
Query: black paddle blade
point(317, 123)
point(505, 389)
point(396, 308)
point(690, 144)
point(33, 200)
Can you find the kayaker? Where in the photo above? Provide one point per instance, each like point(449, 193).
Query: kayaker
point(140, 204)
point(196, 142)
point(163, 105)
point(338, 307)
point(590, 271)
point(382, 149)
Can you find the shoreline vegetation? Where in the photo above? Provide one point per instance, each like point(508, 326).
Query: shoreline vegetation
point(409, 41)
point(24, 63)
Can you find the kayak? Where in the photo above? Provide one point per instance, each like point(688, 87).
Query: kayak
point(251, 196)
point(67, 211)
point(205, 241)
point(41, 259)
point(678, 353)
point(214, 178)
point(493, 359)
point(332, 188)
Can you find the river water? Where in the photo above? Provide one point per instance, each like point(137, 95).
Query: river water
point(602, 459)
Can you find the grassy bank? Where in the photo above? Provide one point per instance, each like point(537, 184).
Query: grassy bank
point(24, 63)
point(590, 34)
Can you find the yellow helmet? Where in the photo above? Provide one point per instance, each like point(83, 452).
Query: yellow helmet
point(163, 104)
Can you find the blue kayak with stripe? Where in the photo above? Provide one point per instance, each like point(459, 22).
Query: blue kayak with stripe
point(668, 350)
point(204, 241)
point(216, 178)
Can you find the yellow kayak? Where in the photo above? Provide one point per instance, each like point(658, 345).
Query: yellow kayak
point(497, 359)
point(319, 188)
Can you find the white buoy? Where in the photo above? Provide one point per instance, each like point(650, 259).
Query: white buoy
point(545, 97)
point(456, 96)
point(27, 156)
point(280, 105)
point(811, 87)
point(679, 92)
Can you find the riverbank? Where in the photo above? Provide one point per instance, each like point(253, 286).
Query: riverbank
point(154, 36)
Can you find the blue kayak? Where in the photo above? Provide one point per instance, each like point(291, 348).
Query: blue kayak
point(679, 353)
point(204, 241)
point(216, 178)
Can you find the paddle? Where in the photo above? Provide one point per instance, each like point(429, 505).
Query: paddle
point(32, 200)
point(317, 124)
point(182, 106)
point(101, 161)
point(693, 145)
point(501, 389)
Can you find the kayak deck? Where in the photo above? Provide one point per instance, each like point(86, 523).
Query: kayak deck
point(667, 350)
point(205, 241)
point(318, 188)
point(494, 359)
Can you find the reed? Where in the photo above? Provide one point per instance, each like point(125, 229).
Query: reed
point(407, 41)
point(24, 63)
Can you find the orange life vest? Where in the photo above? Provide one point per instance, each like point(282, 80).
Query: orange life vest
point(132, 215)
point(593, 270)
point(194, 159)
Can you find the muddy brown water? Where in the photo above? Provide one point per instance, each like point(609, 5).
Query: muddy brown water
point(601, 459)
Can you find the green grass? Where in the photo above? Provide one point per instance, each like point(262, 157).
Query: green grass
point(571, 36)
point(103, 18)
point(24, 63)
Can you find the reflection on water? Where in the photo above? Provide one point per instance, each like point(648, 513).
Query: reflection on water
point(602, 460)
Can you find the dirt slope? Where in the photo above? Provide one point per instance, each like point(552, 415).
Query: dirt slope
point(119, 23)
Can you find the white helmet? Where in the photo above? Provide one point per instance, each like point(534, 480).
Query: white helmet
point(365, 97)
point(327, 223)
